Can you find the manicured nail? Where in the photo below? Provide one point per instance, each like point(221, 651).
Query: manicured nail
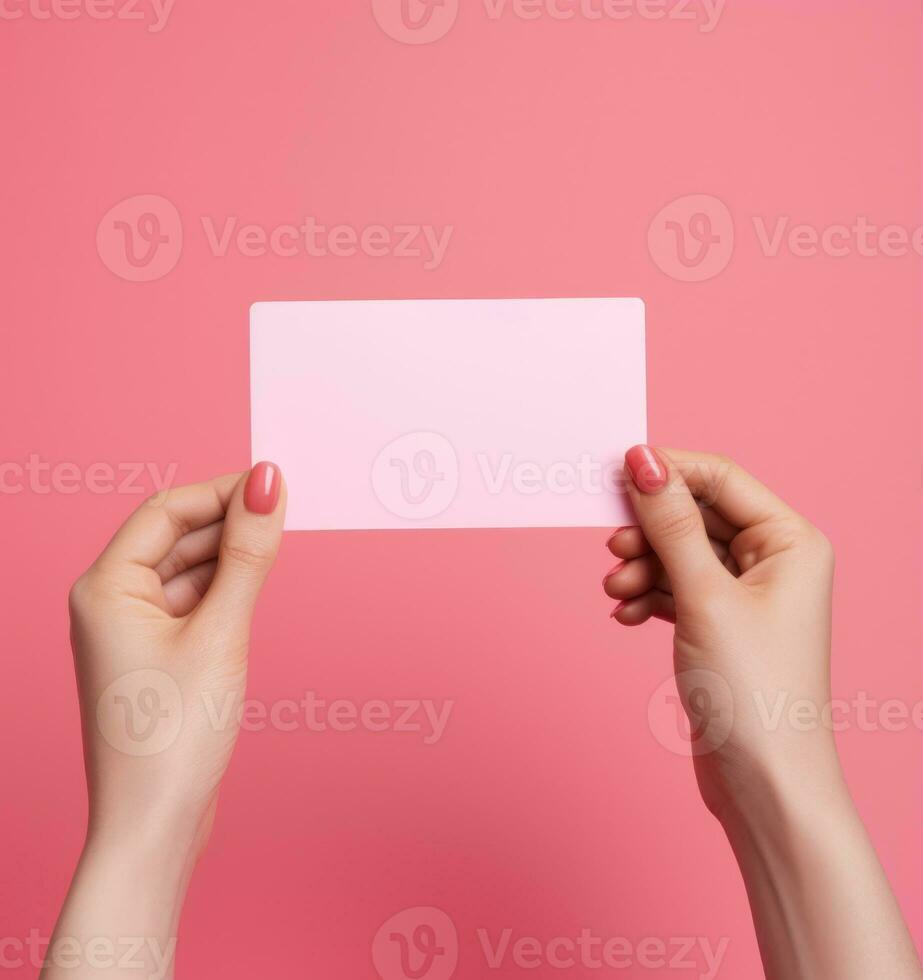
point(612, 572)
point(615, 534)
point(614, 612)
point(261, 494)
point(647, 472)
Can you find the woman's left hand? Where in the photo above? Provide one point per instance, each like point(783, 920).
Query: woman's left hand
point(160, 628)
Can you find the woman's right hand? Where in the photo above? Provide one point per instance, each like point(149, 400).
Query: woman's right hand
point(748, 583)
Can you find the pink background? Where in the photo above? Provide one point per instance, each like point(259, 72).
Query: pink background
point(548, 806)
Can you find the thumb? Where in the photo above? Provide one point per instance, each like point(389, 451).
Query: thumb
point(249, 544)
point(671, 521)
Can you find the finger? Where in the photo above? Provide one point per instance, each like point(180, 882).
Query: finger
point(726, 557)
point(656, 604)
point(768, 525)
point(635, 577)
point(717, 527)
point(152, 531)
point(720, 483)
point(756, 544)
point(192, 549)
point(249, 544)
point(184, 591)
point(628, 542)
point(672, 522)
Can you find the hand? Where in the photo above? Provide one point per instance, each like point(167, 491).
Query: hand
point(160, 632)
point(160, 627)
point(748, 583)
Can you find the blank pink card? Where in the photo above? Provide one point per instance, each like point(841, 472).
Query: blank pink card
point(449, 413)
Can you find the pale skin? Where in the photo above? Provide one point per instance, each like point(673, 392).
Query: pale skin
point(746, 580)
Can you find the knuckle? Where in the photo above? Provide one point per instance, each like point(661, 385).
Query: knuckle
point(803, 535)
point(165, 503)
point(781, 533)
point(722, 460)
point(819, 543)
point(180, 524)
point(199, 580)
point(674, 524)
point(722, 467)
point(744, 549)
point(246, 554)
point(708, 474)
point(174, 564)
point(157, 499)
point(82, 593)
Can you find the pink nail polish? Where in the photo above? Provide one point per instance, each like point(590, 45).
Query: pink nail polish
point(615, 534)
point(261, 493)
point(612, 572)
point(647, 471)
point(612, 615)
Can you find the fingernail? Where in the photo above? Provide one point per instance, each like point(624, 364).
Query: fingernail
point(614, 612)
point(614, 535)
point(261, 494)
point(647, 472)
point(612, 572)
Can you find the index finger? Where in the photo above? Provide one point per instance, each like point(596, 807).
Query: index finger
point(149, 534)
point(735, 494)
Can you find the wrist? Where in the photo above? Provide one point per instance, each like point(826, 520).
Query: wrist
point(160, 866)
point(162, 841)
point(124, 904)
point(785, 795)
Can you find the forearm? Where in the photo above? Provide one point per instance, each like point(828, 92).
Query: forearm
point(821, 903)
point(121, 914)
